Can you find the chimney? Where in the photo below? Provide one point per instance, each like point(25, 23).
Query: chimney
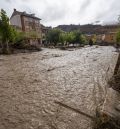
point(15, 10)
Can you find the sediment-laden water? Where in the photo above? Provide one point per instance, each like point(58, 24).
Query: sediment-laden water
point(32, 83)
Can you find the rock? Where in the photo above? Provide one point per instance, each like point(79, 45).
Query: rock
point(112, 102)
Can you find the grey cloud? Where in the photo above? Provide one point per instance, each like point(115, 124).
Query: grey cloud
point(55, 12)
point(112, 13)
point(84, 5)
point(8, 0)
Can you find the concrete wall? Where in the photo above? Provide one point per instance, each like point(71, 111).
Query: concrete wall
point(16, 21)
point(31, 24)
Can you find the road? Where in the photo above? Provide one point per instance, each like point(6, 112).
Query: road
point(32, 83)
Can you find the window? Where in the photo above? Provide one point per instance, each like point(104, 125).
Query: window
point(112, 37)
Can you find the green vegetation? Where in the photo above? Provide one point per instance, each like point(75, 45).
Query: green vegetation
point(22, 41)
point(57, 36)
point(118, 37)
point(53, 36)
point(8, 34)
point(118, 33)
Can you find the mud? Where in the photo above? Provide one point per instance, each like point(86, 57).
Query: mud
point(31, 83)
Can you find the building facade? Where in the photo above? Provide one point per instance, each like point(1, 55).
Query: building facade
point(109, 37)
point(109, 33)
point(45, 31)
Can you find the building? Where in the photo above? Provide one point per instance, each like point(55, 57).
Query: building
point(109, 37)
point(109, 33)
point(45, 31)
point(29, 24)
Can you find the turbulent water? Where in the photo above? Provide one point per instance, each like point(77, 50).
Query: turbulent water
point(31, 83)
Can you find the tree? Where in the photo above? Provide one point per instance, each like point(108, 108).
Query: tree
point(62, 38)
point(118, 33)
point(7, 33)
point(70, 38)
point(118, 37)
point(53, 36)
point(57, 36)
point(78, 37)
point(83, 39)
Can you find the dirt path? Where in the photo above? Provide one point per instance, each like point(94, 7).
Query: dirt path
point(31, 83)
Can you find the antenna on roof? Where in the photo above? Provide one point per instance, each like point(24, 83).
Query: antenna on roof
point(15, 10)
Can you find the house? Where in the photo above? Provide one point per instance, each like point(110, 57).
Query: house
point(110, 32)
point(45, 31)
point(110, 37)
point(29, 24)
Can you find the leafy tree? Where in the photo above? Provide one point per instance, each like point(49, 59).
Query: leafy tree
point(77, 35)
point(70, 38)
point(53, 36)
point(83, 39)
point(62, 38)
point(118, 37)
point(7, 33)
point(118, 33)
point(57, 36)
point(19, 36)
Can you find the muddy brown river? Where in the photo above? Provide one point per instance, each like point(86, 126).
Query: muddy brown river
point(32, 83)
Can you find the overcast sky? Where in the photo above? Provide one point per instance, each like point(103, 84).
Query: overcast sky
point(56, 12)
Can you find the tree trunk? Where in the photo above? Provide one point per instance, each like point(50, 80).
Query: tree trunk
point(5, 48)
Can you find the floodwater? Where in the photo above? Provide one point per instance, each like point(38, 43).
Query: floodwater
point(32, 83)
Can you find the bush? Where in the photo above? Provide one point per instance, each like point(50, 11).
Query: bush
point(118, 37)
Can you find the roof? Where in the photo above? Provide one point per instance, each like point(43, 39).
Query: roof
point(24, 14)
point(44, 27)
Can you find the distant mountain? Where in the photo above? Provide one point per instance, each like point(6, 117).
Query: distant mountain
point(86, 29)
point(68, 28)
point(89, 28)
